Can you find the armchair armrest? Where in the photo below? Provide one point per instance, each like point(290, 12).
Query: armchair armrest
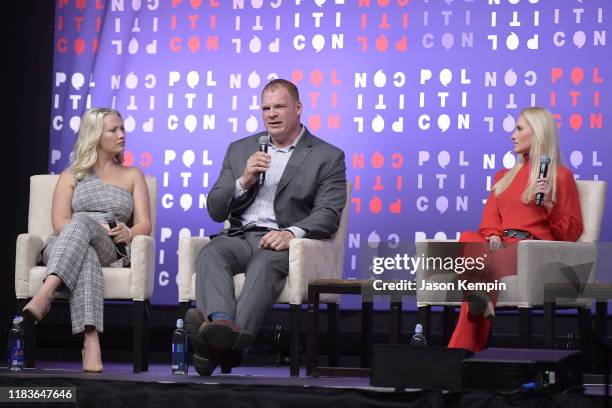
point(541, 262)
point(27, 256)
point(188, 250)
point(142, 267)
point(435, 248)
point(312, 259)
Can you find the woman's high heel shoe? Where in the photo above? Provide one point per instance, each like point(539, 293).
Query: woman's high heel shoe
point(480, 305)
point(489, 312)
point(94, 368)
point(34, 313)
point(477, 303)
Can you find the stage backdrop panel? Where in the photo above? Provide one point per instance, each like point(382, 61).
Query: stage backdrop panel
point(420, 94)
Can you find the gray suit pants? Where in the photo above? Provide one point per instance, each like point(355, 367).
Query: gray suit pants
point(265, 274)
point(77, 256)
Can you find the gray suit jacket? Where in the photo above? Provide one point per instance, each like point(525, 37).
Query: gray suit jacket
point(311, 192)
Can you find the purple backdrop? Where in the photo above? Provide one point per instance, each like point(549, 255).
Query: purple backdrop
point(420, 94)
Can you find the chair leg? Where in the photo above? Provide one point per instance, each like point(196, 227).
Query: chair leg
point(584, 330)
point(138, 311)
point(146, 335)
point(601, 313)
point(183, 307)
point(29, 337)
point(584, 326)
point(525, 326)
point(312, 332)
point(294, 345)
point(550, 332)
point(332, 333)
point(448, 323)
point(367, 315)
point(395, 322)
point(424, 317)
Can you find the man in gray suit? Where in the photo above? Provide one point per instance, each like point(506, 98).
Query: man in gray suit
point(303, 196)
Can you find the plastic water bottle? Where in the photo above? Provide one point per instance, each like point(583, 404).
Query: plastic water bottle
point(180, 363)
point(15, 345)
point(417, 338)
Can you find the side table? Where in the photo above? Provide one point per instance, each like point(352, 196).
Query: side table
point(350, 287)
point(600, 292)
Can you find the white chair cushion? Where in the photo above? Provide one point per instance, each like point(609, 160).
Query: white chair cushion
point(116, 282)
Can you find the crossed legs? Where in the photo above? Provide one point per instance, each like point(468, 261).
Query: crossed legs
point(477, 310)
point(74, 260)
point(265, 273)
point(218, 262)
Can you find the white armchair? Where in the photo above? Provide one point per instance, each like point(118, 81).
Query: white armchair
point(134, 283)
point(308, 259)
point(538, 262)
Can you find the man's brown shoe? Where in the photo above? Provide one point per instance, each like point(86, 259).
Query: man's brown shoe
point(230, 359)
point(205, 360)
point(224, 335)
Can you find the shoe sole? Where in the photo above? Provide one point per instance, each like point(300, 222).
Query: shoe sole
point(27, 315)
point(203, 366)
point(194, 317)
point(224, 338)
point(193, 320)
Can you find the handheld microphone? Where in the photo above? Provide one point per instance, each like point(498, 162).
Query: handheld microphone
point(544, 162)
point(110, 219)
point(264, 141)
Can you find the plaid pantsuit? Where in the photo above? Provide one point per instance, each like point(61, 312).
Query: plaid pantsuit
point(83, 246)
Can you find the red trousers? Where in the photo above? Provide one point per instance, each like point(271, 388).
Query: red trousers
point(472, 331)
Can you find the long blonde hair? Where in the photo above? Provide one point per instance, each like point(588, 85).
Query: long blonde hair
point(545, 141)
point(84, 153)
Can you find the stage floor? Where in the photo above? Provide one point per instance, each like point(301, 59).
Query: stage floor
point(162, 374)
point(263, 386)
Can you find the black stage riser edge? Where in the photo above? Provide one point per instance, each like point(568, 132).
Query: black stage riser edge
point(401, 366)
point(509, 369)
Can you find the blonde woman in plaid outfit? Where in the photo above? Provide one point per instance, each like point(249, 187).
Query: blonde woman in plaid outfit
point(95, 187)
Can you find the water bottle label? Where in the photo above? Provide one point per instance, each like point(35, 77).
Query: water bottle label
point(178, 347)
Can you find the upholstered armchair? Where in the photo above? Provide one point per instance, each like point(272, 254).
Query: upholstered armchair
point(134, 283)
point(308, 259)
point(538, 263)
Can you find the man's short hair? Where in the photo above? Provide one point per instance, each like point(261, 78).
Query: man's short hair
point(289, 86)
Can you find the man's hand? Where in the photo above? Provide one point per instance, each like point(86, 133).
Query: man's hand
point(495, 243)
point(257, 163)
point(276, 240)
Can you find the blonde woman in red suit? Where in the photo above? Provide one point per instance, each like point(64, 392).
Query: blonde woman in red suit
point(511, 214)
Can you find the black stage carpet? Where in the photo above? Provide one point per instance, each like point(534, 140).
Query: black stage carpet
point(259, 387)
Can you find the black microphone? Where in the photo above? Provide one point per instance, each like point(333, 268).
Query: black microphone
point(544, 162)
point(264, 141)
point(110, 219)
